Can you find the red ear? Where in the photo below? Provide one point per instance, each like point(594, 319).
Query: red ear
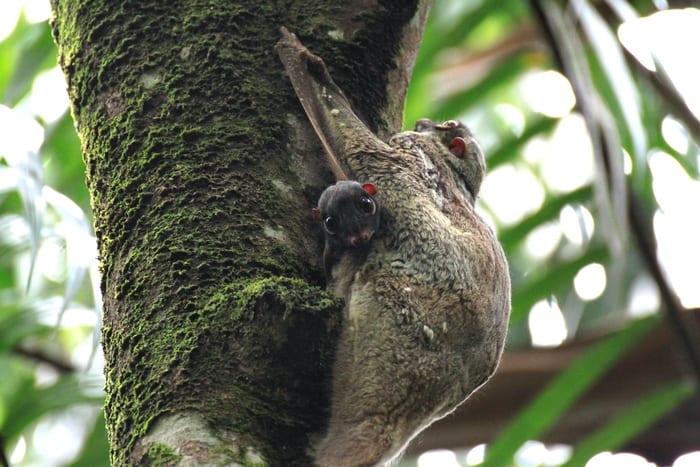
point(458, 147)
point(370, 188)
point(317, 214)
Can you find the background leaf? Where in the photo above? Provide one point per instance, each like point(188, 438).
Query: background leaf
point(632, 421)
point(541, 413)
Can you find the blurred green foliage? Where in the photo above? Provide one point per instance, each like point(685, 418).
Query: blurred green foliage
point(41, 378)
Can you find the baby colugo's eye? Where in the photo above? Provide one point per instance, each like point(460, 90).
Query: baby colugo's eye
point(330, 224)
point(367, 205)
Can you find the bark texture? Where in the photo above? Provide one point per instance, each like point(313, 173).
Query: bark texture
point(218, 333)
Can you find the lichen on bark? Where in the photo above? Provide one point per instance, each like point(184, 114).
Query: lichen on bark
point(213, 295)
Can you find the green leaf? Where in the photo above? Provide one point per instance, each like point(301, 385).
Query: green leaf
point(552, 402)
point(21, 380)
point(9, 55)
point(65, 169)
point(34, 51)
point(95, 450)
point(77, 236)
point(510, 149)
point(539, 286)
point(549, 211)
point(16, 324)
point(504, 72)
point(688, 161)
point(440, 36)
point(30, 403)
point(632, 421)
point(614, 73)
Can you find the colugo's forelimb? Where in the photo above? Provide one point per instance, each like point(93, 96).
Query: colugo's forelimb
point(328, 110)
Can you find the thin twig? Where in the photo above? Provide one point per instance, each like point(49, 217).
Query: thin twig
point(681, 320)
point(671, 98)
point(659, 79)
point(570, 59)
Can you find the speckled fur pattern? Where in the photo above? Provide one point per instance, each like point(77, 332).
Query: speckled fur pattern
point(427, 310)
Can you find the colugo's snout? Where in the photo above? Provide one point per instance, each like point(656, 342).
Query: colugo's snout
point(362, 237)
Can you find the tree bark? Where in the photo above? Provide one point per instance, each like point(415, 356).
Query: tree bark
point(218, 334)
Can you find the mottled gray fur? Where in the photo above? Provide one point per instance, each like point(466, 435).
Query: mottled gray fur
point(427, 310)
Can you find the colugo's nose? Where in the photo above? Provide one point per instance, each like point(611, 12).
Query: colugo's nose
point(363, 237)
point(356, 240)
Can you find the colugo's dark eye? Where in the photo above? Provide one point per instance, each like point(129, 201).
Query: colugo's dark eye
point(367, 205)
point(330, 224)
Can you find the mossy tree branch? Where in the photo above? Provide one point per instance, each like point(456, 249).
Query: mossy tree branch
point(218, 333)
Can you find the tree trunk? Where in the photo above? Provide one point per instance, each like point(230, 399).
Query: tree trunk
point(218, 334)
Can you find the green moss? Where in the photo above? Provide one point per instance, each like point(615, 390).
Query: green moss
point(160, 455)
point(284, 343)
point(267, 328)
point(181, 113)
